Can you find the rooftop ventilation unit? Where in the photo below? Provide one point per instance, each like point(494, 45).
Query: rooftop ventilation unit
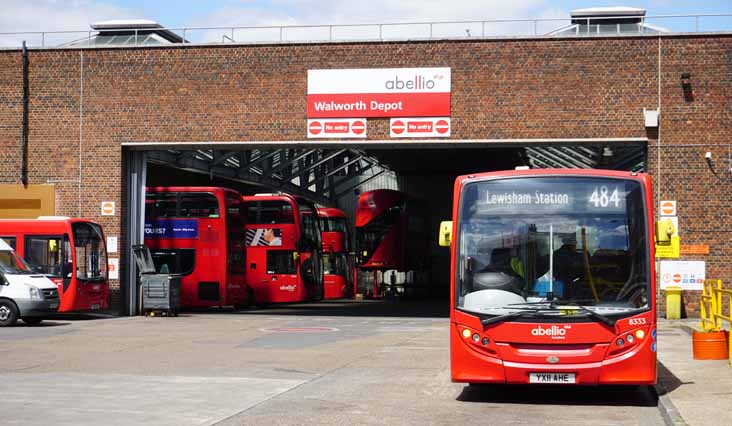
point(619, 20)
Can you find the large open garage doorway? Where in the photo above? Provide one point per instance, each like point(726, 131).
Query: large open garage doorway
point(335, 174)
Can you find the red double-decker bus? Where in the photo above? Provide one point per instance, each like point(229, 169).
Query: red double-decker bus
point(71, 252)
point(284, 249)
point(552, 278)
point(197, 232)
point(338, 273)
point(392, 241)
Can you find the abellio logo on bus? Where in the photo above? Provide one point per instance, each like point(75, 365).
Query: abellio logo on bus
point(555, 331)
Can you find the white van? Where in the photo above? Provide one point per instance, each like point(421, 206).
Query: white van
point(24, 294)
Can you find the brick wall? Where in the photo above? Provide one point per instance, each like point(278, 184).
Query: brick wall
point(85, 103)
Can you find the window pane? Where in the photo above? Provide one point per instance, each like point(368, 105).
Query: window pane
point(280, 262)
point(44, 255)
point(275, 212)
point(160, 205)
point(199, 205)
point(174, 261)
point(9, 241)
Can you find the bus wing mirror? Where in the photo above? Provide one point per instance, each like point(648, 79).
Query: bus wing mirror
point(445, 233)
point(664, 231)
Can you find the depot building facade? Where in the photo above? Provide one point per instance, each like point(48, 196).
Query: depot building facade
point(656, 103)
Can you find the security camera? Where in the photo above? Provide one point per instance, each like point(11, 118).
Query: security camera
point(708, 156)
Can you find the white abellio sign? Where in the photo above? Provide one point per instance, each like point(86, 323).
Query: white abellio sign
point(379, 92)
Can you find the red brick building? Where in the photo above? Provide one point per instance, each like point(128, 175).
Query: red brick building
point(89, 106)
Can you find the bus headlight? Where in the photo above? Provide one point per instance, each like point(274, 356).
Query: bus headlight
point(35, 292)
point(476, 337)
point(640, 334)
point(466, 333)
point(629, 338)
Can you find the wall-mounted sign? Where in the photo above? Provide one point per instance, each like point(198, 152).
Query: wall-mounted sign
point(694, 249)
point(688, 275)
point(108, 208)
point(337, 128)
point(379, 92)
point(667, 208)
point(113, 268)
point(435, 127)
point(111, 244)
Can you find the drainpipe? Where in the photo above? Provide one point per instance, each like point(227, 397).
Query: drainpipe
point(24, 126)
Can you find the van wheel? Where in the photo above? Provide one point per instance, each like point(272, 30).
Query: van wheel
point(8, 313)
point(32, 321)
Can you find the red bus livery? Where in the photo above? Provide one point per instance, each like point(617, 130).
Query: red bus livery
point(198, 232)
point(71, 252)
point(337, 273)
point(284, 249)
point(552, 278)
point(391, 240)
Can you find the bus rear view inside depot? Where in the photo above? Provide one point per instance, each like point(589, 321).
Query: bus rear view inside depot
point(552, 278)
point(70, 252)
point(283, 249)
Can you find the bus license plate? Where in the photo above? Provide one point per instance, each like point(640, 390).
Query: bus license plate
point(94, 307)
point(551, 378)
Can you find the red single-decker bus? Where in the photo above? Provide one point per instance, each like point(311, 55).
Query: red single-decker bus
point(197, 232)
point(284, 249)
point(552, 278)
point(71, 252)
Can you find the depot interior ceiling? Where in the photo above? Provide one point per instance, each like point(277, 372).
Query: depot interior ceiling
point(326, 175)
point(321, 175)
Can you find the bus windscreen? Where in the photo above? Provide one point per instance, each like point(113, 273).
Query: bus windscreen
point(566, 240)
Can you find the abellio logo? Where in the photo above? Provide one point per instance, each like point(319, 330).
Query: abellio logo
point(553, 331)
point(418, 82)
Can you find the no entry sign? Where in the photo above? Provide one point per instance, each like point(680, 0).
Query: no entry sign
point(379, 92)
point(416, 127)
point(334, 128)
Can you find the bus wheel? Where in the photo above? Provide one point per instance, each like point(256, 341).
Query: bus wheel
point(8, 313)
point(32, 321)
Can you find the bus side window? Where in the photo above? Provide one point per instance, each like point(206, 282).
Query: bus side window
point(10, 241)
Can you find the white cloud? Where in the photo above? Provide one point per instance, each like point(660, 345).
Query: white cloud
point(51, 15)
point(344, 12)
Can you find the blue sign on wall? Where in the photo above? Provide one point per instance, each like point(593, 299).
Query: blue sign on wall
point(172, 228)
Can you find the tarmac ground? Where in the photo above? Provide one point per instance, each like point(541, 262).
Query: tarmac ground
point(330, 363)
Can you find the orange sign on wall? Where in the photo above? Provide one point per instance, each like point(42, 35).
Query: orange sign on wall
point(694, 249)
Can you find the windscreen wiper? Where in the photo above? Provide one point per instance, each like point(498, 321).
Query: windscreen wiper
point(600, 317)
point(506, 317)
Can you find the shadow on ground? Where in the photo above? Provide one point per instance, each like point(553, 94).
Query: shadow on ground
point(632, 396)
point(432, 308)
point(667, 381)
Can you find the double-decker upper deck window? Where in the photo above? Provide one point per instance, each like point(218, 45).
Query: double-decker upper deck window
point(198, 205)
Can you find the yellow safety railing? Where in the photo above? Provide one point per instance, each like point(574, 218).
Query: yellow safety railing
point(712, 306)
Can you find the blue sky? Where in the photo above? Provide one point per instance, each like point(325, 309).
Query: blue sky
point(55, 15)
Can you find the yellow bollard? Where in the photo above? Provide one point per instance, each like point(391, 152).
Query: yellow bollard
point(673, 303)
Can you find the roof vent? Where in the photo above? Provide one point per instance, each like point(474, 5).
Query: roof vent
point(618, 20)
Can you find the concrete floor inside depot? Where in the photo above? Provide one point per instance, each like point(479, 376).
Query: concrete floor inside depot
point(362, 363)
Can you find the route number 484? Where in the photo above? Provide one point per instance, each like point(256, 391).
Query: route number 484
point(602, 197)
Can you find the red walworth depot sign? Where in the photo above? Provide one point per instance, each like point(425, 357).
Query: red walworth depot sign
point(379, 92)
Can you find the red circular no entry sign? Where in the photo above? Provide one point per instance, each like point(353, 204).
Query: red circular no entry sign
point(315, 127)
point(397, 127)
point(358, 127)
